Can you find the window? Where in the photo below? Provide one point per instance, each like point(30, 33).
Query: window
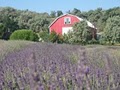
point(67, 20)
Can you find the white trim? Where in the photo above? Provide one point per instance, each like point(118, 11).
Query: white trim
point(67, 18)
point(89, 23)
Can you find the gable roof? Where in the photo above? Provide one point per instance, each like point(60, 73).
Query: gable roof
point(89, 23)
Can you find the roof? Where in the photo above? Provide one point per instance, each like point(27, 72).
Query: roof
point(89, 23)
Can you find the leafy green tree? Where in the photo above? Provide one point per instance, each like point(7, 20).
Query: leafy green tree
point(83, 15)
point(80, 34)
point(1, 30)
point(53, 14)
point(8, 26)
point(111, 33)
point(75, 11)
point(13, 19)
point(39, 24)
point(59, 13)
point(23, 20)
point(105, 15)
point(94, 15)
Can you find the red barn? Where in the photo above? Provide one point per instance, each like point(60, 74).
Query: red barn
point(64, 23)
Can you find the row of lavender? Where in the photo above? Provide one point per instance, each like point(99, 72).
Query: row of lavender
point(7, 47)
point(61, 67)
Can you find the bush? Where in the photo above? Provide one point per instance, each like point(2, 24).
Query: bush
point(93, 41)
point(80, 34)
point(44, 36)
point(52, 37)
point(24, 35)
point(55, 38)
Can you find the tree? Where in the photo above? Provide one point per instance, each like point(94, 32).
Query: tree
point(97, 18)
point(39, 24)
point(8, 26)
point(23, 20)
point(12, 19)
point(75, 11)
point(80, 33)
point(59, 13)
point(53, 14)
point(1, 30)
point(111, 33)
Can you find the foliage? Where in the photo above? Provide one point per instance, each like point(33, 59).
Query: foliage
point(24, 35)
point(53, 14)
point(12, 19)
point(93, 41)
point(55, 38)
point(59, 13)
point(45, 66)
point(1, 30)
point(8, 25)
point(80, 34)
point(76, 11)
point(98, 17)
point(44, 36)
point(50, 37)
point(111, 33)
point(39, 25)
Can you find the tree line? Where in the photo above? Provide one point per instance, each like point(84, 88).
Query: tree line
point(12, 19)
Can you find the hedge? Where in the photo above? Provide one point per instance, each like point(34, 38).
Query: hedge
point(24, 35)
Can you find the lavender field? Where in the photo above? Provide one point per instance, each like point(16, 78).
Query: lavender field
point(45, 66)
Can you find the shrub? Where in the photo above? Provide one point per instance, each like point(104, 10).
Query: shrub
point(80, 34)
point(24, 35)
point(55, 38)
point(52, 37)
point(44, 36)
point(68, 38)
point(93, 41)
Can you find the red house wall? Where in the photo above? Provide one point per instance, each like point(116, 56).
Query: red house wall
point(58, 24)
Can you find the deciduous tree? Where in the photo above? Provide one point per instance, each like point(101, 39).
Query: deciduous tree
point(111, 33)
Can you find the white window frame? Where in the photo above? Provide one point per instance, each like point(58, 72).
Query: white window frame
point(66, 19)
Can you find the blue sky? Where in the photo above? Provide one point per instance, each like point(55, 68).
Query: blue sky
point(64, 5)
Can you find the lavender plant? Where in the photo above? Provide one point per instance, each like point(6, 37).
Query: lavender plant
point(45, 66)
